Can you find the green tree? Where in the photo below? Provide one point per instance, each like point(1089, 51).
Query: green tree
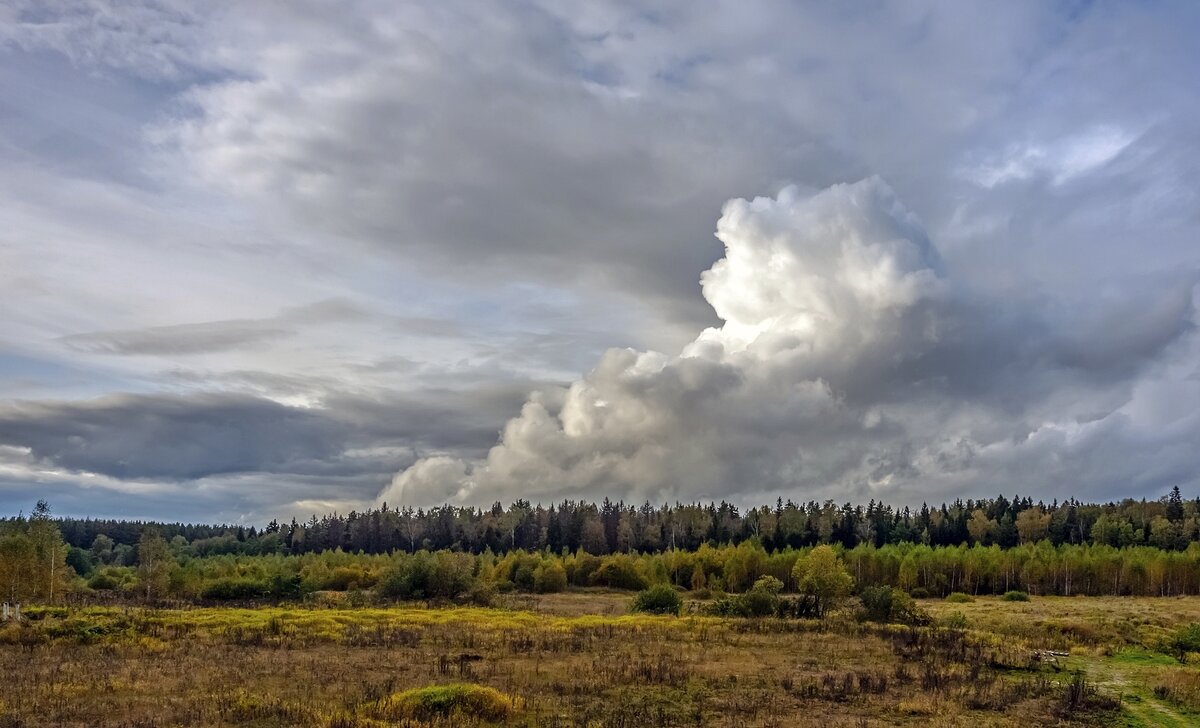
point(155, 563)
point(102, 549)
point(17, 566)
point(822, 576)
point(49, 554)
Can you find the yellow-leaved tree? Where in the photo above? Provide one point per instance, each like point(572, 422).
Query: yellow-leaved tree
point(821, 576)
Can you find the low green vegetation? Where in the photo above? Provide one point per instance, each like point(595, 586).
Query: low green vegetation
point(658, 599)
point(458, 701)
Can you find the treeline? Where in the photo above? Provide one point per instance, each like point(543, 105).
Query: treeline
point(37, 564)
point(920, 570)
point(1170, 523)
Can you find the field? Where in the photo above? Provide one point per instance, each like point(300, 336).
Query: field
point(579, 659)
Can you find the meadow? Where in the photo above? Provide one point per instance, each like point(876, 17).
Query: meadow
point(580, 658)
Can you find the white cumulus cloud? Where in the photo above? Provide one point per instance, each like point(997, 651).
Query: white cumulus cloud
point(847, 365)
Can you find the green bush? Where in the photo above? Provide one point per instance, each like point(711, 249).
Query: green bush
point(658, 599)
point(618, 572)
point(425, 575)
point(959, 598)
point(1015, 596)
point(919, 592)
point(549, 577)
point(953, 620)
point(892, 606)
point(102, 582)
point(440, 702)
point(1183, 641)
point(235, 588)
point(762, 600)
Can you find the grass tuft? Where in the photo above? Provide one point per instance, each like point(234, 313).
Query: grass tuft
point(456, 700)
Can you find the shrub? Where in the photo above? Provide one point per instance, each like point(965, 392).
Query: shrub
point(1015, 596)
point(483, 593)
point(424, 575)
point(232, 588)
point(102, 582)
point(658, 599)
point(959, 598)
point(618, 572)
point(457, 700)
point(953, 620)
point(919, 592)
point(762, 600)
point(1185, 640)
point(549, 577)
point(344, 578)
point(893, 606)
point(284, 586)
point(876, 603)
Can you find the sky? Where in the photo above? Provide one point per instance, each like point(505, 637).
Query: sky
point(263, 260)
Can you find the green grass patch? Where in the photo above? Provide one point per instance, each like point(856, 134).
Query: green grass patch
point(1139, 657)
point(456, 700)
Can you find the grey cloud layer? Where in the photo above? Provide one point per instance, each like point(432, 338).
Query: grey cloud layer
point(485, 197)
point(188, 437)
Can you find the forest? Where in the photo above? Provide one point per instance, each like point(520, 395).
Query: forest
point(1146, 548)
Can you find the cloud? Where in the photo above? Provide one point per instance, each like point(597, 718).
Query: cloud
point(848, 365)
point(188, 437)
point(214, 336)
point(1061, 161)
point(508, 190)
point(177, 339)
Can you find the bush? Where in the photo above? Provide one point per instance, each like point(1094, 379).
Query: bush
point(919, 592)
point(1015, 596)
point(1184, 641)
point(959, 598)
point(658, 599)
point(424, 575)
point(284, 586)
point(618, 572)
point(458, 700)
point(345, 578)
point(102, 582)
point(762, 600)
point(876, 603)
point(234, 588)
point(953, 620)
point(550, 577)
point(892, 606)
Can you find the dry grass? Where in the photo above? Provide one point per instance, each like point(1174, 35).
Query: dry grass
point(563, 660)
point(1061, 622)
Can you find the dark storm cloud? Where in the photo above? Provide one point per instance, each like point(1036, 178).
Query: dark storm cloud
point(178, 437)
point(171, 436)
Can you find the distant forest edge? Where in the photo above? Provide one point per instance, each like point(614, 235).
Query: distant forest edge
point(979, 547)
point(614, 527)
